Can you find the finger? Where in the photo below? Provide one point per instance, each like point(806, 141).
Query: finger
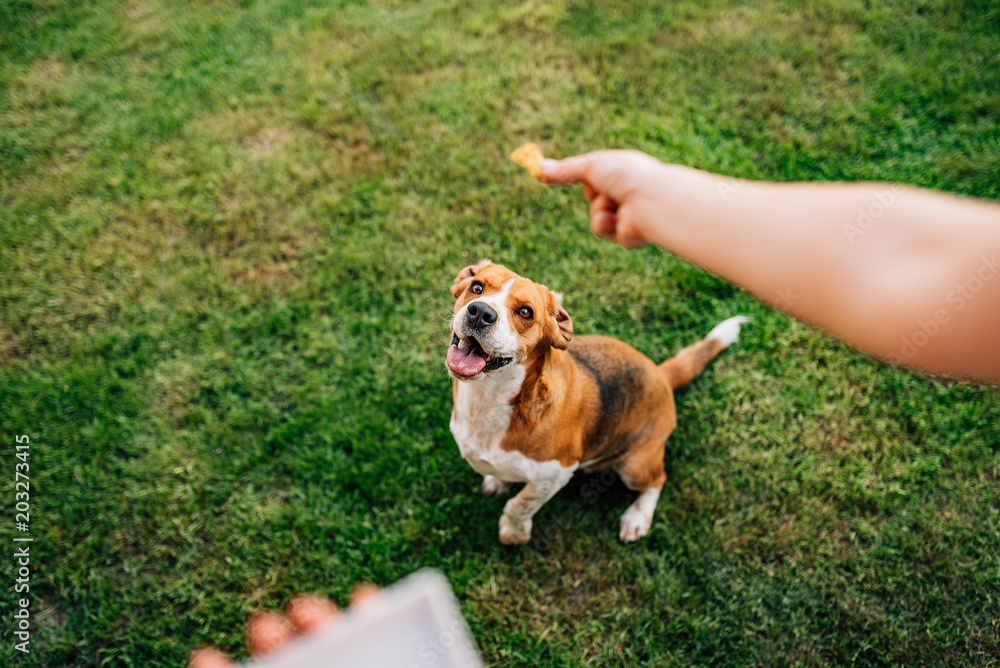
point(363, 594)
point(307, 612)
point(589, 192)
point(603, 216)
point(567, 170)
point(209, 657)
point(604, 224)
point(629, 242)
point(628, 236)
point(602, 203)
point(267, 632)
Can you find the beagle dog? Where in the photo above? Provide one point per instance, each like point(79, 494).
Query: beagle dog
point(533, 404)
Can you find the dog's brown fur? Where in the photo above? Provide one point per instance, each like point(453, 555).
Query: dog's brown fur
point(591, 401)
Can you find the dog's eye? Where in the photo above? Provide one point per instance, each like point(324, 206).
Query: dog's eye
point(476, 289)
point(525, 312)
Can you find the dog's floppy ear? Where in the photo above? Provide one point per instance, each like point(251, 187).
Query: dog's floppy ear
point(461, 283)
point(561, 324)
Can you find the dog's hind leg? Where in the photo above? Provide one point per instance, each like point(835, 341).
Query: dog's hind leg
point(643, 472)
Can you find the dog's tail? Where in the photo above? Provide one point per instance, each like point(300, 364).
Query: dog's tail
point(688, 363)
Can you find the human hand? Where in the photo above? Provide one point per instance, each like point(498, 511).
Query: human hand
point(626, 190)
point(269, 631)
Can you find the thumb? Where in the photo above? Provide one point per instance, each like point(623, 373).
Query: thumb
point(567, 170)
point(208, 657)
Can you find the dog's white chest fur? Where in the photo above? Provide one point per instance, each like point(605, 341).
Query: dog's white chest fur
point(479, 422)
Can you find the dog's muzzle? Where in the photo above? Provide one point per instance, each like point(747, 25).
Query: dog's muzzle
point(466, 356)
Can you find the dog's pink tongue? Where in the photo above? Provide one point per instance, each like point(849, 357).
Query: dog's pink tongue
point(465, 359)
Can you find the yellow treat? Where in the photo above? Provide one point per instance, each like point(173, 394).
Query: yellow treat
point(530, 157)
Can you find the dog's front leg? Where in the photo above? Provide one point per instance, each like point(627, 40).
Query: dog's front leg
point(493, 486)
point(515, 523)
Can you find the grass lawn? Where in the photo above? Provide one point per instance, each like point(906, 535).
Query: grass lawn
point(227, 230)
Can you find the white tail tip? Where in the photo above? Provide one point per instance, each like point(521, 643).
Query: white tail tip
point(728, 331)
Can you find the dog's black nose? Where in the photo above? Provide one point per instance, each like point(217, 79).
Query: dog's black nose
point(481, 314)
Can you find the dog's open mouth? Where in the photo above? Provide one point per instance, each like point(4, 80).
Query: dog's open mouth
point(466, 357)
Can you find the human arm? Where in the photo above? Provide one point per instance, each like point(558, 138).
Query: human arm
point(906, 274)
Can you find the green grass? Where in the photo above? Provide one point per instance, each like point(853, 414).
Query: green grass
point(227, 230)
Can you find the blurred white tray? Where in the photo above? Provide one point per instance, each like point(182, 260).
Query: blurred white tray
point(414, 623)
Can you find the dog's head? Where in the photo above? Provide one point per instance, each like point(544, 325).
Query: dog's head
point(500, 319)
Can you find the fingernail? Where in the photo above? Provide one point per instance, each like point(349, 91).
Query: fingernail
point(363, 594)
point(549, 165)
point(267, 631)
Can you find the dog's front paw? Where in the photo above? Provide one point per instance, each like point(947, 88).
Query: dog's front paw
point(493, 486)
point(635, 524)
point(514, 533)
